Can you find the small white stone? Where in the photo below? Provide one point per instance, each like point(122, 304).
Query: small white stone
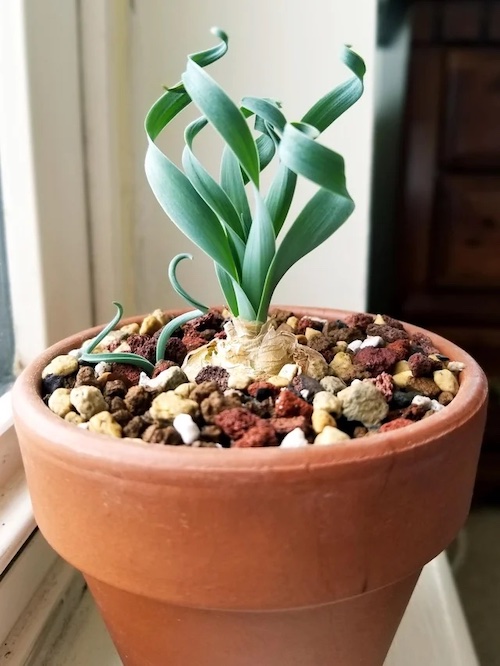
point(187, 428)
point(167, 380)
point(436, 406)
point(422, 401)
point(289, 371)
point(294, 440)
point(305, 393)
point(101, 368)
point(355, 345)
point(84, 426)
point(456, 366)
point(76, 353)
point(372, 341)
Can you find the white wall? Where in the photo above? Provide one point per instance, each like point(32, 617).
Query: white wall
point(276, 49)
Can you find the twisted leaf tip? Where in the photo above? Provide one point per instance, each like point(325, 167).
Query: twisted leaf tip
point(216, 215)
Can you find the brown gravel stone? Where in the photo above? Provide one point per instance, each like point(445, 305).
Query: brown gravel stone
point(203, 390)
point(307, 322)
point(280, 316)
point(413, 412)
point(376, 359)
point(86, 377)
point(306, 386)
point(155, 434)
point(235, 422)
point(115, 388)
point(213, 373)
point(163, 365)
point(445, 397)
point(211, 433)
point(425, 386)
point(395, 425)
point(285, 425)
point(116, 404)
point(359, 431)
point(420, 364)
point(122, 416)
point(288, 404)
point(390, 321)
point(217, 403)
point(138, 400)
point(264, 409)
point(262, 434)
point(387, 333)
point(135, 427)
point(324, 345)
point(211, 320)
point(347, 334)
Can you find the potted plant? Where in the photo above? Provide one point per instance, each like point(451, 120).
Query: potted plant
point(240, 486)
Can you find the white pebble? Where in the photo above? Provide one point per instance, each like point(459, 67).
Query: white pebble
point(422, 401)
point(101, 368)
point(294, 440)
point(372, 341)
point(354, 345)
point(289, 371)
point(436, 406)
point(455, 366)
point(305, 393)
point(187, 428)
point(76, 353)
point(84, 426)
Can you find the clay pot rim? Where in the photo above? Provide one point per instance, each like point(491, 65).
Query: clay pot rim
point(64, 439)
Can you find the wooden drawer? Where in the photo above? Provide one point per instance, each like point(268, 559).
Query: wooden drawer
point(472, 108)
point(466, 250)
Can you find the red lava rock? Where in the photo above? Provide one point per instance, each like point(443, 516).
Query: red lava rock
point(359, 320)
point(213, 373)
point(384, 384)
point(401, 348)
point(288, 404)
point(307, 322)
point(424, 342)
point(143, 345)
point(263, 390)
point(283, 426)
point(221, 335)
point(193, 341)
point(387, 333)
point(395, 425)
point(126, 372)
point(260, 435)
point(175, 351)
point(376, 359)
point(420, 365)
point(211, 320)
point(235, 422)
point(161, 366)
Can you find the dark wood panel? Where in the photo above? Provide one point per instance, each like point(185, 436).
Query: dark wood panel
point(472, 127)
point(462, 21)
point(467, 232)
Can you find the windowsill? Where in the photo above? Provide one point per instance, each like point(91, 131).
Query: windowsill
point(433, 631)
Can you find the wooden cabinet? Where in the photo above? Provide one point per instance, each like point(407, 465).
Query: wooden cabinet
point(448, 233)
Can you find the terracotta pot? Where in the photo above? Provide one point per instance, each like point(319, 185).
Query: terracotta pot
point(252, 557)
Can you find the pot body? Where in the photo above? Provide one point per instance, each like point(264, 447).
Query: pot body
point(273, 557)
